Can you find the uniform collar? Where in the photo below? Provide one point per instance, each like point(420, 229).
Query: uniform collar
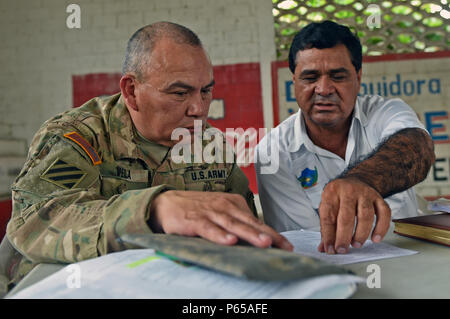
point(126, 142)
point(301, 136)
point(156, 151)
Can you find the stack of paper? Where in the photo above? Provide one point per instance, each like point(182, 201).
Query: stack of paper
point(146, 273)
point(306, 242)
point(143, 273)
point(440, 205)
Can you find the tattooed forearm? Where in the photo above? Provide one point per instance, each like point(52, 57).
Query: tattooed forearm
point(399, 163)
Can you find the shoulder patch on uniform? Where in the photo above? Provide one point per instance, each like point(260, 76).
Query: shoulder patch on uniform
point(77, 138)
point(63, 175)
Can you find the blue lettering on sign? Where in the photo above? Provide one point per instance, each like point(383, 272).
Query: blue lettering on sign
point(399, 87)
point(433, 128)
point(289, 96)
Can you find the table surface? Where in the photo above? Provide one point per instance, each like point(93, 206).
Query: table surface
point(423, 275)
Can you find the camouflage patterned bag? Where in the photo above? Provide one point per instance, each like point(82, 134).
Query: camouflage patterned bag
point(240, 260)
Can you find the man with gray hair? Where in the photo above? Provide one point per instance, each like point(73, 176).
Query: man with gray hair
point(105, 169)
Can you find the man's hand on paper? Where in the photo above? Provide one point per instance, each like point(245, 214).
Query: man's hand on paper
point(344, 201)
point(219, 217)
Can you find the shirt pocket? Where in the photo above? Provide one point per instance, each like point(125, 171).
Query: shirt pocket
point(314, 195)
point(311, 181)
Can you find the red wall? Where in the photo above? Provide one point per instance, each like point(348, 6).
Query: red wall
point(5, 214)
point(239, 85)
point(88, 86)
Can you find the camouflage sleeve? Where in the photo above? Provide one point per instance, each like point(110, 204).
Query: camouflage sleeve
point(59, 213)
point(237, 183)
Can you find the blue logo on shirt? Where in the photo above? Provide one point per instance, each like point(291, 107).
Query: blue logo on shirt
point(308, 178)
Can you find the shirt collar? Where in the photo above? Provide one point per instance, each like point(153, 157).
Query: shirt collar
point(153, 150)
point(358, 112)
point(300, 135)
point(295, 144)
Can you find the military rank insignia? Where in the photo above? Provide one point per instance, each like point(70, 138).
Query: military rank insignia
point(63, 174)
point(308, 178)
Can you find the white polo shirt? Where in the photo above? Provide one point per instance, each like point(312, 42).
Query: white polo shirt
point(290, 195)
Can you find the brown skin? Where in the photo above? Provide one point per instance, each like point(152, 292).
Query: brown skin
point(343, 202)
point(176, 91)
point(401, 162)
point(219, 217)
point(326, 87)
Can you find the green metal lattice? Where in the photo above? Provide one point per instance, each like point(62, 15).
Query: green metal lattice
point(396, 26)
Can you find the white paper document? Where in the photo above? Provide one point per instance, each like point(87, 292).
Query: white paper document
point(142, 273)
point(440, 205)
point(306, 242)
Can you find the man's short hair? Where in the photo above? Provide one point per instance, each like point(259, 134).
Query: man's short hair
point(142, 42)
point(324, 35)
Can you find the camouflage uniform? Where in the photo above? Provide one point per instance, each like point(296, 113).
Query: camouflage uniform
point(89, 179)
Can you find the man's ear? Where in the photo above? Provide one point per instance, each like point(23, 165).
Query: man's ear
point(128, 89)
point(358, 75)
